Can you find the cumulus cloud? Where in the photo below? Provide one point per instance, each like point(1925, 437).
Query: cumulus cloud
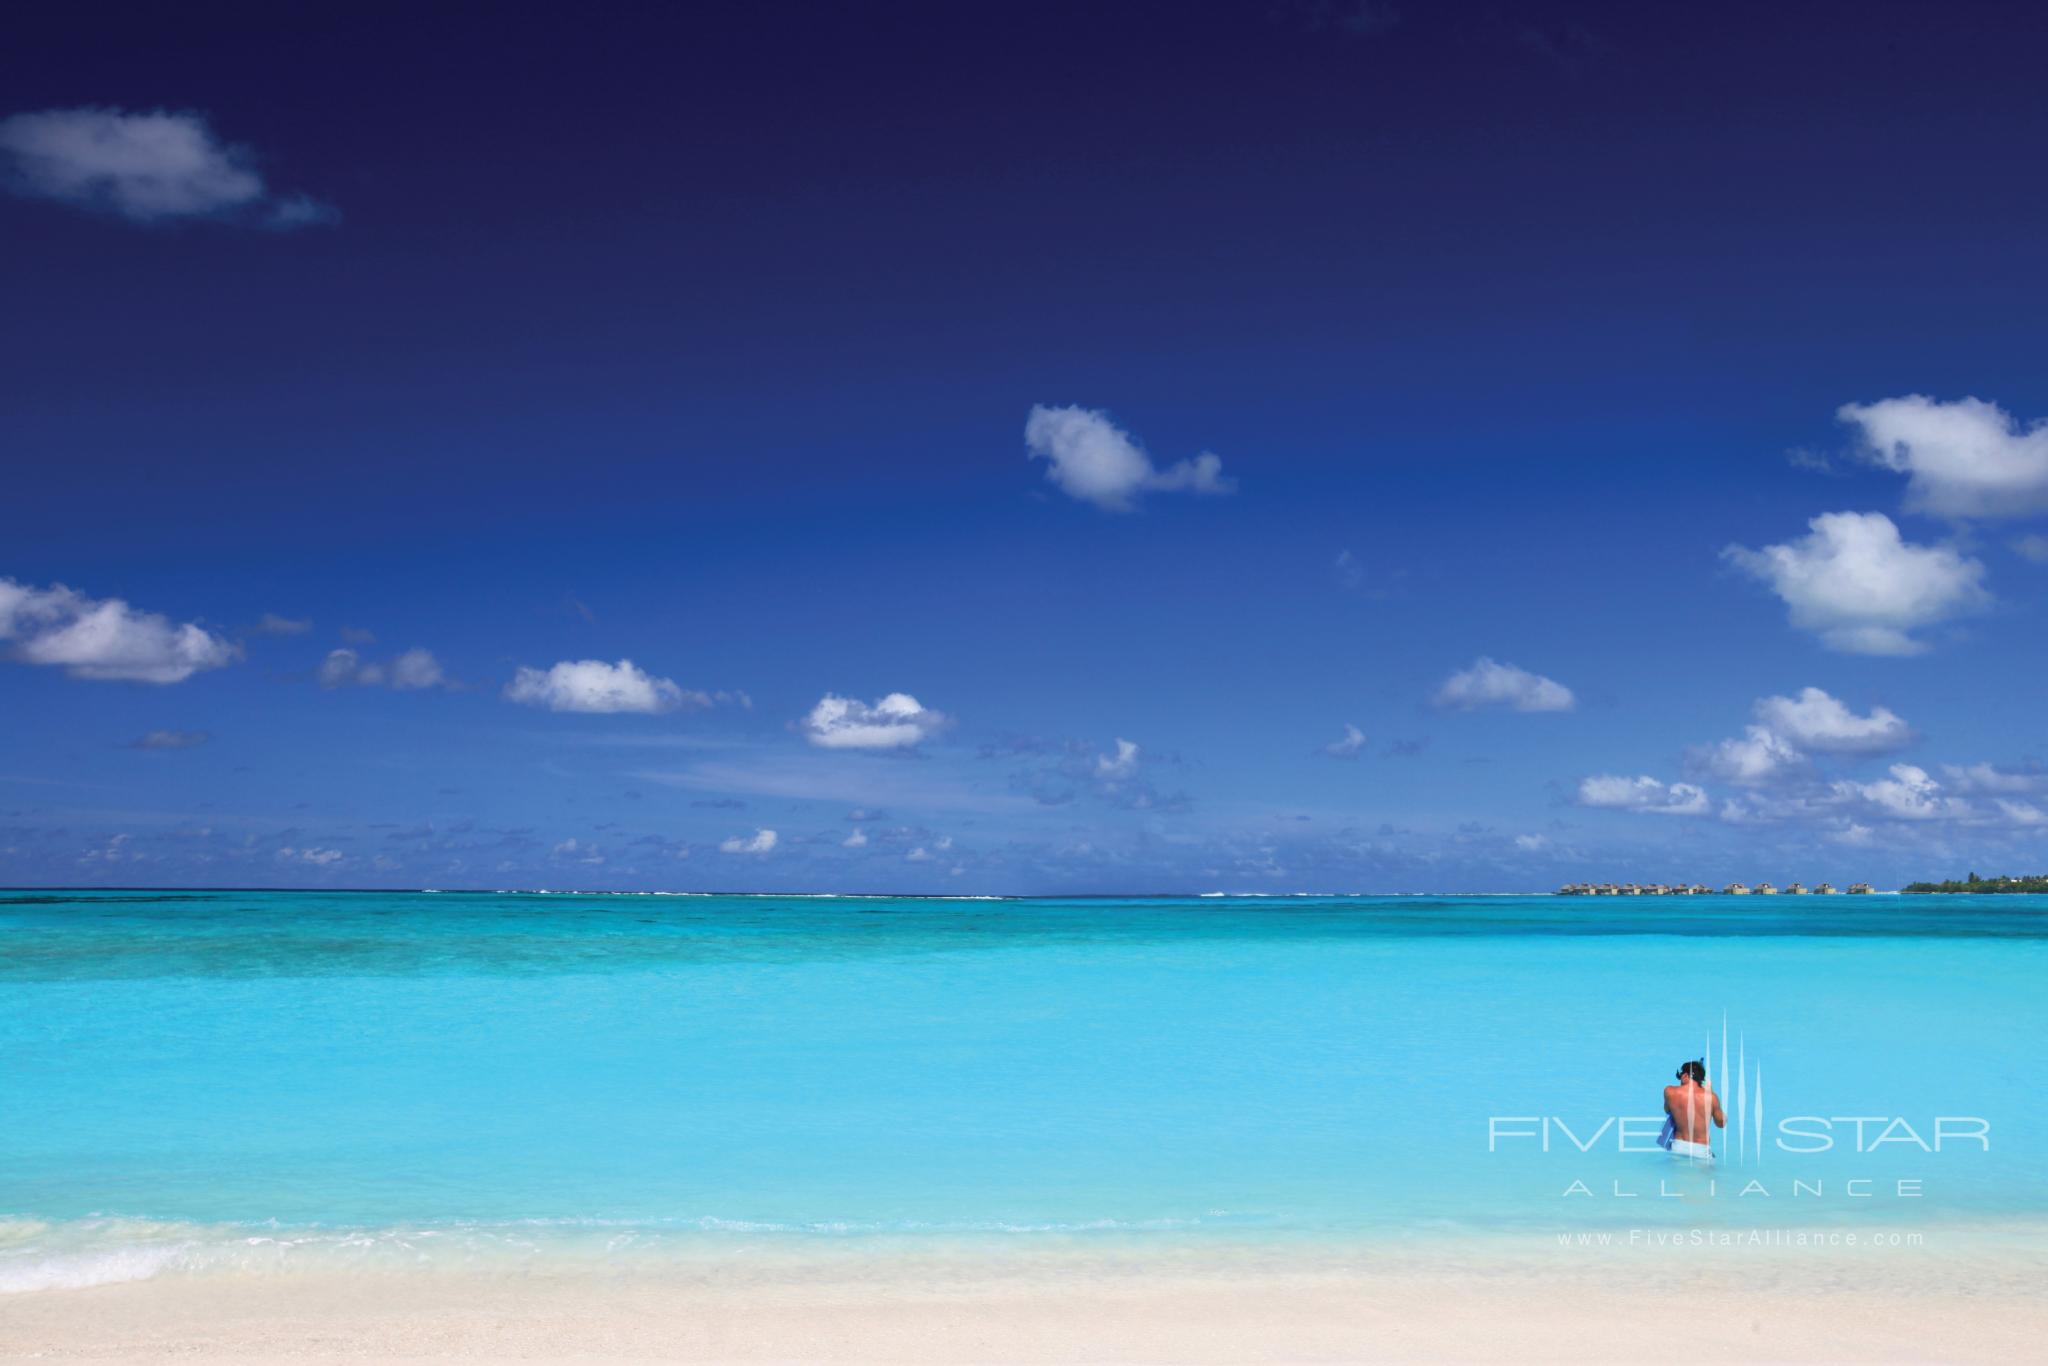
point(274, 625)
point(1490, 684)
point(409, 672)
point(171, 739)
point(104, 638)
point(1757, 757)
point(145, 167)
point(1861, 588)
point(1908, 794)
point(897, 721)
point(760, 842)
point(1347, 746)
point(1823, 724)
point(857, 840)
point(1642, 794)
point(1530, 844)
point(1094, 460)
point(319, 858)
point(591, 685)
point(1967, 458)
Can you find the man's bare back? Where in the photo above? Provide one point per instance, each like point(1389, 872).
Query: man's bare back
point(1694, 1109)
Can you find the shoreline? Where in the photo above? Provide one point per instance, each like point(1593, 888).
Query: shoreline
point(1977, 1302)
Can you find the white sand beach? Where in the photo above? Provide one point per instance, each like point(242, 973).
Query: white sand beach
point(1172, 1307)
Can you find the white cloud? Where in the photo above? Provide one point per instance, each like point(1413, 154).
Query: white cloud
point(857, 840)
point(1490, 684)
point(1861, 588)
point(411, 671)
point(897, 721)
point(274, 625)
point(319, 858)
point(416, 668)
point(1349, 745)
point(145, 167)
point(1758, 757)
point(1642, 794)
point(2022, 813)
point(1989, 778)
point(1967, 458)
point(918, 855)
point(760, 842)
point(1531, 843)
point(1909, 794)
point(2031, 546)
point(1816, 721)
point(1094, 460)
point(591, 685)
point(105, 639)
point(1121, 764)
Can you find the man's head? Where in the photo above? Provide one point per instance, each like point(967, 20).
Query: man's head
point(1695, 1072)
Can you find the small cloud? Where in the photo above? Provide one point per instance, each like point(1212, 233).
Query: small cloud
point(1758, 757)
point(1530, 844)
point(171, 739)
point(356, 635)
point(1642, 794)
point(1817, 721)
point(105, 639)
point(897, 721)
point(1962, 459)
point(857, 840)
point(1855, 583)
point(760, 842)
point(1347, 746)
point(319, 858)
point(1121, 764)
point(1405, 749)
point(1490, 684)
point(410, 672)
point(918, 855)
point(1992, 778)
point(274, 625)
point(591, 685)
point(146, 167)
point(721, 803)
point(2031, 547)
point(1093, 460)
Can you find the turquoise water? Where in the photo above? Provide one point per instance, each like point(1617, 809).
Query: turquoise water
point(187, 1071)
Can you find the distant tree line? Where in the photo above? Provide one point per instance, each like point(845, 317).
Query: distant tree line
point(2033, 882)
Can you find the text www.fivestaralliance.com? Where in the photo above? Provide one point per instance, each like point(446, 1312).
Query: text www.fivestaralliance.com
point(1647, 1238)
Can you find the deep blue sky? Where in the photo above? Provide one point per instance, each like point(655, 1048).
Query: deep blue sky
point(706, 336)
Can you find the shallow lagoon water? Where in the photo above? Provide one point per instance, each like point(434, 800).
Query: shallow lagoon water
point(203, 1076)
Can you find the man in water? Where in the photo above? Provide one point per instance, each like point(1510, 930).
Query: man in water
point(1691, 1105)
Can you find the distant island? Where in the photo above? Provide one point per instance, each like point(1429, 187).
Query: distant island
point(2035, 882)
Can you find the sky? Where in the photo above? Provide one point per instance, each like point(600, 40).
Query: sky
point(1264, 447)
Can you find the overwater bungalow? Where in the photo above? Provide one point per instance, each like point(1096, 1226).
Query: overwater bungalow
point(1825, 889)
point(1859, 889)
point(1766, 889)
point(1795, 889)
point(1735, 889)
point(1699, 889)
